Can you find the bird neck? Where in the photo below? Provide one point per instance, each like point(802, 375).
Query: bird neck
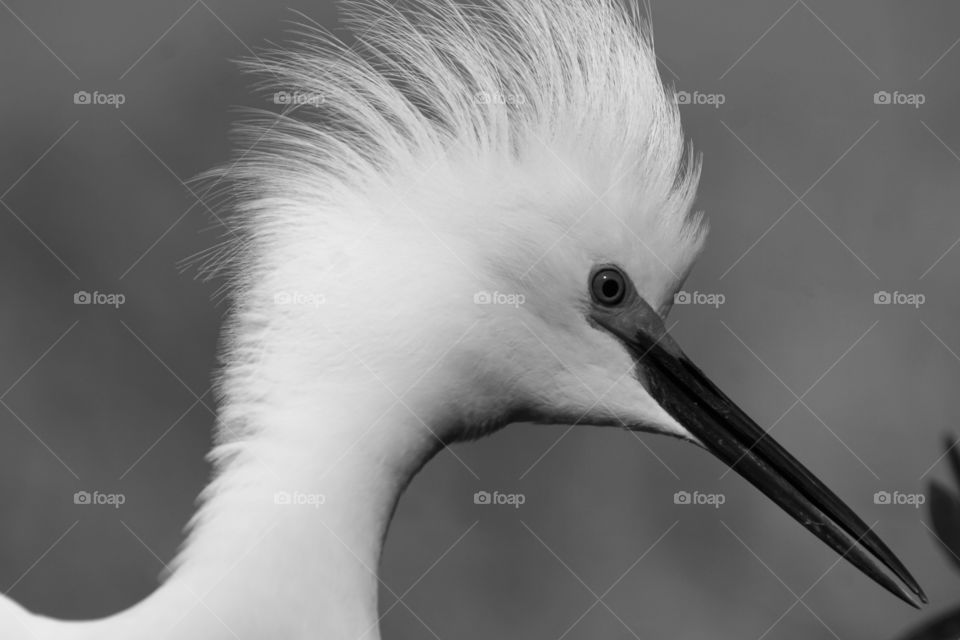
point(288, 541)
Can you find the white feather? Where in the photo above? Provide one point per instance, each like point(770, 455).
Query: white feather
point(441, 101)
point(506, 146)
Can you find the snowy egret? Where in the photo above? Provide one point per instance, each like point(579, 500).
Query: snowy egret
point(474, 216)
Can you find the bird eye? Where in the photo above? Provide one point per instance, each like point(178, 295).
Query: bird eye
point(608, 286)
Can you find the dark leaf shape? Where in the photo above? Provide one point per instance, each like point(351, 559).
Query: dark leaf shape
point(953, 455)
point(945, 509)
point(943, 627)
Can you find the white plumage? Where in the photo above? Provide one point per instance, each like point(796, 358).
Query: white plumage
point(465, 115)
point(511, 147)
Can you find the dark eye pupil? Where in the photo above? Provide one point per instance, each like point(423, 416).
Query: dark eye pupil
point(610, 288)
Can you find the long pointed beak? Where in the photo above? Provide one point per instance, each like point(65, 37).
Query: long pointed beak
point(685, 392)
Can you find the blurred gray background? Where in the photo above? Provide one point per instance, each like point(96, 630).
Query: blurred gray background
point(819, 198)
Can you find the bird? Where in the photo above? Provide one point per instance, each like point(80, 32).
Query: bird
point(473, 215)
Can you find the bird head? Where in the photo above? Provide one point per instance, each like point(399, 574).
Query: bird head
point(488, 214)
